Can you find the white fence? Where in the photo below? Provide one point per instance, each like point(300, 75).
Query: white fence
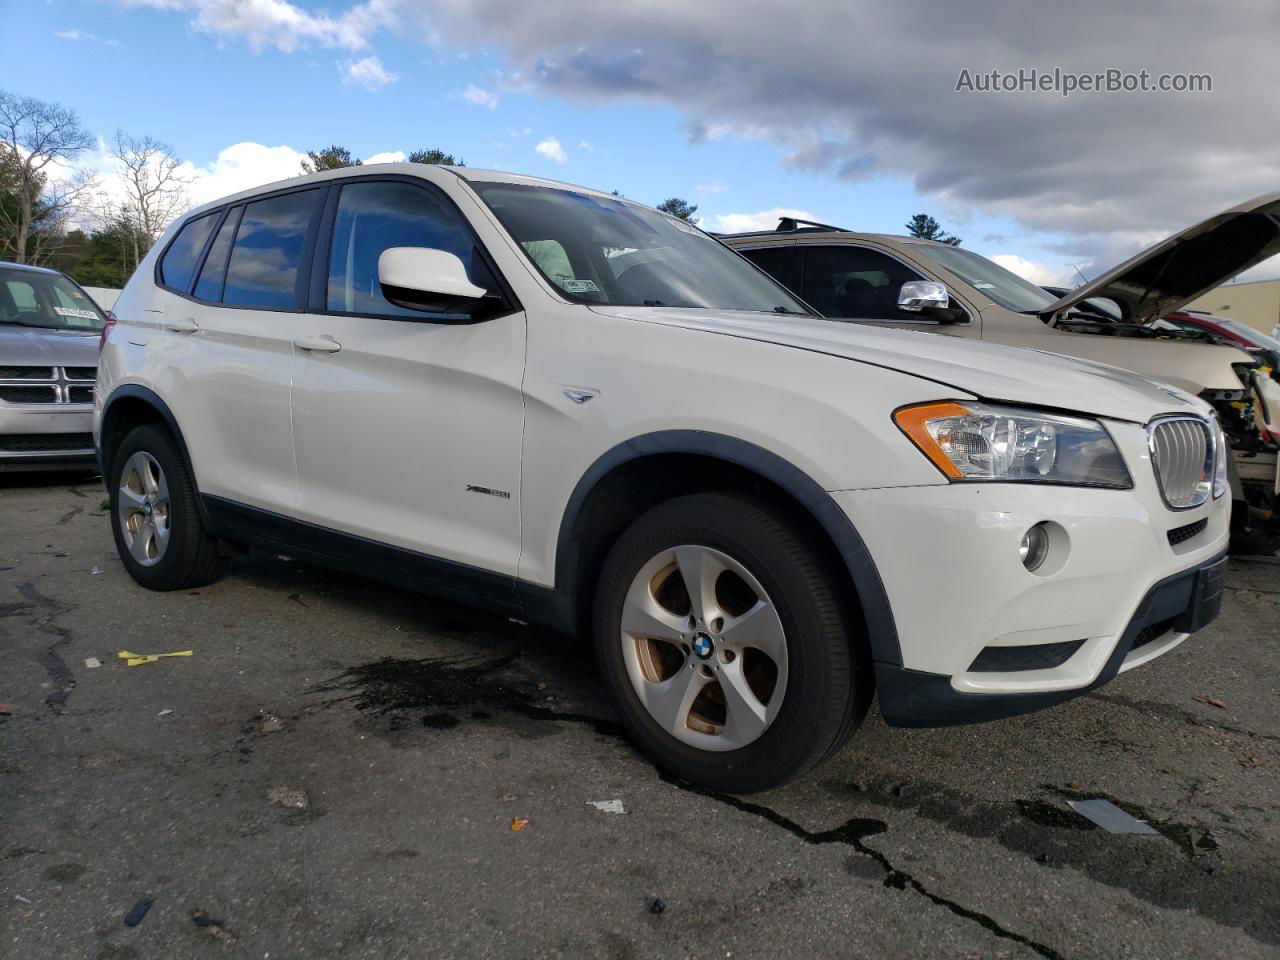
point(105, 297)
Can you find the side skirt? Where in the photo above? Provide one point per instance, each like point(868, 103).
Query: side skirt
point(458, 582)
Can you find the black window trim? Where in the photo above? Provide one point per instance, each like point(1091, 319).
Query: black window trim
point(306, 256)
point(237, 211)
point(217, 215)
point(317, 300)
point(970, 313)
point(309, 296)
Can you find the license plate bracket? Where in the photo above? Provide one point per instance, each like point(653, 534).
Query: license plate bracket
point(1206, 598)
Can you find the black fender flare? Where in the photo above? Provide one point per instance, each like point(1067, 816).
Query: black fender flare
point(882, 632)
point(152, 399)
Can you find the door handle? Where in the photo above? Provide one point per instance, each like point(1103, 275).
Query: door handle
point(320, 344)
point(185, 325)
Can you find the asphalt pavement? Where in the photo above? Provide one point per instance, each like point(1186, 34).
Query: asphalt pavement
point(345, 770)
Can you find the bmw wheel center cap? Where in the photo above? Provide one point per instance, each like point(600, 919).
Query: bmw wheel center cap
point(702, 646)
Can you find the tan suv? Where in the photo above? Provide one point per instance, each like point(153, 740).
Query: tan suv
point(904, 282)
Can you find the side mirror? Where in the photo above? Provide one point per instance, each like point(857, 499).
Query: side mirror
point(930, 299)
point(422, 278)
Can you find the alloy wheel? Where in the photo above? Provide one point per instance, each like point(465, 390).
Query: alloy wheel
point(704, 648)
point(144, 509)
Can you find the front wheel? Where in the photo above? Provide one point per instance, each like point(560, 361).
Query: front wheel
point(154, 516)
point(720, 636)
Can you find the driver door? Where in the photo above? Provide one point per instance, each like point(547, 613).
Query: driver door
point(407, 425)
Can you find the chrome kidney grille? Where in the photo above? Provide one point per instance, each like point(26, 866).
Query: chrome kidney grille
point(1182, 454)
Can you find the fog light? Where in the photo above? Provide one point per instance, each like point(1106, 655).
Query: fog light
point(1035, 547)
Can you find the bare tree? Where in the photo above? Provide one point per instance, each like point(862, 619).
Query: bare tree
point(155, 182)
point(38, 141)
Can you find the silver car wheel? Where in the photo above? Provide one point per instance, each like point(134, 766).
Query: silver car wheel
point(144, 509)
point(704, 648)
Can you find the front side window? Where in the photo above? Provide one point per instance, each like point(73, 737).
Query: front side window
point(375, 216)
point(46, 301)
point(998, 284)
point(178, 265)
point(855, 282)
point(266, 255)
point(604, 250)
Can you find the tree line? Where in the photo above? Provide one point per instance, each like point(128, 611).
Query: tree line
point(97, 226)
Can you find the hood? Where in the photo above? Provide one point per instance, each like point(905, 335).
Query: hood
point(28, 347)
point(985, 370)
point(1180, 268)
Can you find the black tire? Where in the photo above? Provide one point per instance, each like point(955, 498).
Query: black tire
point(191, 557)
point(829, 680)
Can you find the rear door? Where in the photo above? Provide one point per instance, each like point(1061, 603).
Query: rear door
point(407, 425)
point(225, 352)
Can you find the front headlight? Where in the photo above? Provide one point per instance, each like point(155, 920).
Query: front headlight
point(978, 441)
point(1220, 457)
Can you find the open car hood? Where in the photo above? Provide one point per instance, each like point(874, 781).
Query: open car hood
point(1181, 267)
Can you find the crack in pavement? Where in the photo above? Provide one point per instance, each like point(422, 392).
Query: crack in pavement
point(433, 683)
point(1167, 711)
point(853, 832)
point(59, 673)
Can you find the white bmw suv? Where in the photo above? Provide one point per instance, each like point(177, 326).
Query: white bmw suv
point(577, 410)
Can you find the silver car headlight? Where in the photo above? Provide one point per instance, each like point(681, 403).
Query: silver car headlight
point(983, 442)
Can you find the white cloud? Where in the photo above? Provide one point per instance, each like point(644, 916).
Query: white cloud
point(479, 96)
point(744, 222)
point(551, 149)
point(367, 72)
point(1042, 274)
point(388, 156)
point(76, 36)
point(241, 166)
point(715, 186)
point(586, 145)
point(283, 25)
point(519, 131)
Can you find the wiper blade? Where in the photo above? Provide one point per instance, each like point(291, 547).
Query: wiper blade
point(654, 303)
point(788, 310)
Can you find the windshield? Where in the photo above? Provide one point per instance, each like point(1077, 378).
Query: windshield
point(601, 250)
point(1002, 286)
point(47, 301)
point(1248, 333)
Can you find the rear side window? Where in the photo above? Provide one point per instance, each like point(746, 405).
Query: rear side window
point(214, 271)
point(265, 258)
point(178, 265)
point(376, 215)
point(778, 261)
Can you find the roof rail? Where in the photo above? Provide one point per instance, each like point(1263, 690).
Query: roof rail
point(792, 224)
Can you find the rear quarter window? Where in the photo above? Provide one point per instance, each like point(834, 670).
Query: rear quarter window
point(178, 264)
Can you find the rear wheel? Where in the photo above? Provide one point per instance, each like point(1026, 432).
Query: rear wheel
point(154, 517)
point(719, 634)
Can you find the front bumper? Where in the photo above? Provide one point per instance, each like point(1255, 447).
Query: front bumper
point(1171, 611)
point(44, 437)
point(978, 635)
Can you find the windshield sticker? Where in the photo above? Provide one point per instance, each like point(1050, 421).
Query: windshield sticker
point(573, 285)
point(982, 285)
point(72, 312)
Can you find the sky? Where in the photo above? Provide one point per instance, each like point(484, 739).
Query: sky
point(839, 111)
